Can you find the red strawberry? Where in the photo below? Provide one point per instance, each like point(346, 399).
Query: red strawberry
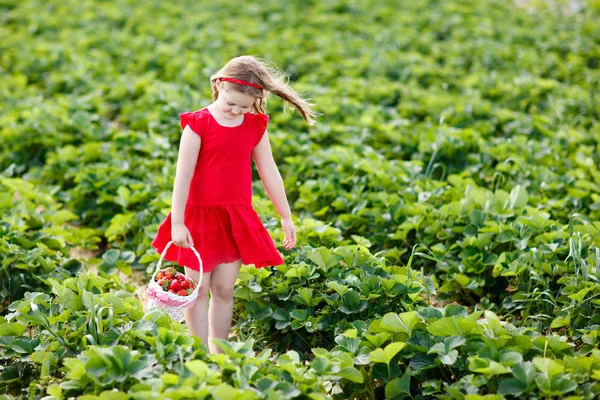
point(176, 285)
point(182, 292)
point(160, 275)
point(185, 284)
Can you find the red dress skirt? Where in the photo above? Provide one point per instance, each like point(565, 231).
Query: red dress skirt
point(219, 212)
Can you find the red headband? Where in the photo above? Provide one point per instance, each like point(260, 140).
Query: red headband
point(240, 82)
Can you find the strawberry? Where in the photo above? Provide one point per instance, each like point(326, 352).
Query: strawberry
point(160, 275)
point(169, 275)
point(176, 285)
point(182, 292)
point(185, 284)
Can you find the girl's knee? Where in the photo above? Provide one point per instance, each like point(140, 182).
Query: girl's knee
point(204, 287)
point(222, 290)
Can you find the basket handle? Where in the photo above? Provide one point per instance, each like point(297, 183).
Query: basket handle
point(201, 270)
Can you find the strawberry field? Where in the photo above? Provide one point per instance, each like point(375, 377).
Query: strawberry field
point(447, 201)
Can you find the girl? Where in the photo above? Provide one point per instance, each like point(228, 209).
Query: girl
point(212, 194)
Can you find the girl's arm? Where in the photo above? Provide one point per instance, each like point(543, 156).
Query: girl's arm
point(189, 147)
point(271, 178)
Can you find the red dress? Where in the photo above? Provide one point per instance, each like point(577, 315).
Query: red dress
point(219, 213)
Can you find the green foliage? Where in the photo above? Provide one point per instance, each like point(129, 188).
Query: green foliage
point(446, 202)
point(34, 236)
point(320, 293)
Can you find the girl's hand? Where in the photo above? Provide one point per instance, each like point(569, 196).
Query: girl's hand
point(290, 233)
point(181, 236)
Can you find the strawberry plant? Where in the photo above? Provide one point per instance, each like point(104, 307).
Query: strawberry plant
point(446, 202)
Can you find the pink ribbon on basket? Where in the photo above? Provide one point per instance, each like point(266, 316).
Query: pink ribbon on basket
point(152, 294)
point(165, 299)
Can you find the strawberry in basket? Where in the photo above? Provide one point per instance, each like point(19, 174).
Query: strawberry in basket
point(175, 282)
point(172, 291)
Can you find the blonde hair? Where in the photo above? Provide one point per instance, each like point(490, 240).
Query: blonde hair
point(253, 70)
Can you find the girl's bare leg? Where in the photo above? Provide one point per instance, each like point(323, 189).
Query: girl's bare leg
point(196, 316)
point(221, 300)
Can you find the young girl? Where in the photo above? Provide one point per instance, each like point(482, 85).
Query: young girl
point(212, 194)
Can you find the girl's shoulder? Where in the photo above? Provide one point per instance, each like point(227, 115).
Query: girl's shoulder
point(197, 120)
point(198, 114)
point(259, 119)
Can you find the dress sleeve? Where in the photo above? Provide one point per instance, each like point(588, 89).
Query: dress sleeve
point(191, 119)
point(262, 120)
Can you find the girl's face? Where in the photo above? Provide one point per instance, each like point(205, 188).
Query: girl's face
point(232, 103)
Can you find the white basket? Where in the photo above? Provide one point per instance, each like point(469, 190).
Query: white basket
point(173, 304)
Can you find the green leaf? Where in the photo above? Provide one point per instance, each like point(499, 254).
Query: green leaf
point(562, 385)
point(455, 310)
point(398, 386)
point(378, 339)
point(324, 258)
point(320, 365)
point(75, 368)
point(306, 295)
point(445, 350)
point(25, 345)
point(404, 322)
point(487, 367)
point(339, 288)
point(512, 386)
point(518, 197)
point(123, 357)
point(579, 296)
point(361, 240)
point(198, 368)
point(299, 314)
point(12, 329)
point(449, 358)
point(453, 342)
point(170, 379)
point(430, 313)
point(111, 256)
point(561, 321)
point(281, 315)
point(548, 367)
point(452, 326)
point(350, 344)
point(386, 355)
point(55, 390)
point(351, 374)
point(123, 196)
point(119, 226)
point(352, 303)
point(510, 358)
point(226, 392)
